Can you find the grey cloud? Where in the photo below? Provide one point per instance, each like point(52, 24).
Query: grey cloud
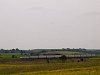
point(29, 24)
point(35, 8)
point(91, 13)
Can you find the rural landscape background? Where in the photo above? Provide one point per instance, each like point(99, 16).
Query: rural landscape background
point(14, 62)
point(49, 37)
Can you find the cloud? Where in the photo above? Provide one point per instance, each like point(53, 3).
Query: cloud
point(35, 8)
point(94, 13)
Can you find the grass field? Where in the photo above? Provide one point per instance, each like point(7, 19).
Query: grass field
point(75, 71)
point(16, 66)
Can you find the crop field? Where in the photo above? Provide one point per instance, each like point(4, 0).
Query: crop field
point(9, 55)
point(64, 52)
point(17, 67)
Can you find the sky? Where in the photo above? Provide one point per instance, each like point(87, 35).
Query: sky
point(31, 24)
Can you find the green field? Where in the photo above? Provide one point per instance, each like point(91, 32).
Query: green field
point(64, 52)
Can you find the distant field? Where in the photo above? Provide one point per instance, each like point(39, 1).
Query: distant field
point(64, 52)
point(9, 55)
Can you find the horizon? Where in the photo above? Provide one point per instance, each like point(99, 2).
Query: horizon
point(51, 48)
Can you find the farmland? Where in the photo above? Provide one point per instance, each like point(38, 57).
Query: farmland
point(18, 67)
point(11, 64)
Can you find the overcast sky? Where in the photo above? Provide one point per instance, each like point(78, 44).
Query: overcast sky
point(30, 24)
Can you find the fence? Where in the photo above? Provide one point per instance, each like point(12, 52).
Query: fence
point(57, 56)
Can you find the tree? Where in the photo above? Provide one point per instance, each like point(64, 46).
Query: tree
point(21, 52)
point(63, 58)
point(13, 56)
point(17, 49)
